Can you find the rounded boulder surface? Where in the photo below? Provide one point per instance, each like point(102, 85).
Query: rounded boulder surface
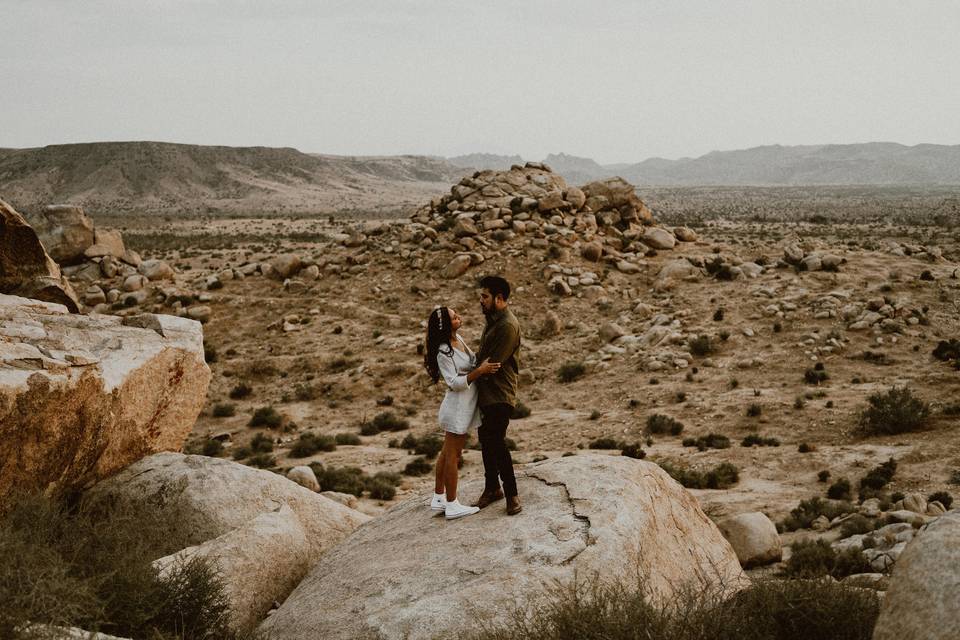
point(922, 601)
point(754, 538)
point(408, 574)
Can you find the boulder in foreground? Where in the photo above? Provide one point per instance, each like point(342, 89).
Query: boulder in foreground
point(81, 397)
point(411, 575)
point(923, 600)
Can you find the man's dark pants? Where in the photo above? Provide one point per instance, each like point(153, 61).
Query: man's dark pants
point(497, 463)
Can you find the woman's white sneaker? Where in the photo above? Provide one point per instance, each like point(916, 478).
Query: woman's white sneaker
point(456, 510)
point(439, 502)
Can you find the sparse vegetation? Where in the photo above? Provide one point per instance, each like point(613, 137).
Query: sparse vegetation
point(386, 421)
point(224, 410)
point(754, 440)
point(570, 371)
point(876, 479)
point(633, 450)
point(803, 447)
point(520, 411)
point(803, 515)
point(942, 497)
point(659, 424)
point(266, 417)
point(709, 441)
point(240, 391)
point(723, 476)
point(839, 490)
point(701, 346)
point(816, 558)
point(754, 410)
point(604, 443)
point(348, 439)
point(310, 443)
point(418, 467)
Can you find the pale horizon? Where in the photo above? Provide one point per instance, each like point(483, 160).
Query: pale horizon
point(617, 82)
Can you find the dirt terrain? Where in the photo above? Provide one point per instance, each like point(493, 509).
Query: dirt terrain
point(352, 351)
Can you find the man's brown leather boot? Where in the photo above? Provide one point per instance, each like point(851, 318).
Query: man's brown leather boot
point(488, 497)
point(513, 505)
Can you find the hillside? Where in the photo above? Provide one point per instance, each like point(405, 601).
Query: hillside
point(158, 177)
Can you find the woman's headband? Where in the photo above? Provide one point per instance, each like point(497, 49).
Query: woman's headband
point(440, 317)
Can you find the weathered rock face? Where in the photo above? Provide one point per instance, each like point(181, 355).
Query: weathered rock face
point(202, 498)
point(410, 575)
point(922, 601)
point(754, 538)
point(81, 397)
point(65, 231)
point(259, 563)
point(25, 268)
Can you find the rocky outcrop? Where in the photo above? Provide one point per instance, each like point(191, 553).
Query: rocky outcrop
point(201, 498)
point(410, 575)
point(65, 231)
point(922, 599)
point(81, 397)
point(25, 268)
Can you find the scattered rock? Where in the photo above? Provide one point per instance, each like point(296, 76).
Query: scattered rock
point(156, 270)
point(457, 267)
point(754, 538)
point(65, 231)
point(658, 238)
point(305, 477)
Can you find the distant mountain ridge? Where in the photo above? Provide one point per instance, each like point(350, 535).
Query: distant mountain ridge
point(878, 163)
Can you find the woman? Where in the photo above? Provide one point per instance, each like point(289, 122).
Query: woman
point(449, 357)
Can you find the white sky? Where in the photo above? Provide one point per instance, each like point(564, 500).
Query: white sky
point(617, 81)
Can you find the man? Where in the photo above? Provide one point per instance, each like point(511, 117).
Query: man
point(497, 392)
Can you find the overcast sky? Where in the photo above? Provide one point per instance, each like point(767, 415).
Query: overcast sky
point(617, 81)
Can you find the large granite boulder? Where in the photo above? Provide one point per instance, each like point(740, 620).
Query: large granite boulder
point(200, 498)
point(410, 575)
point(923, 600)
point(25, 268)
point(81, 397)
point(754, 538)
point(65, 231)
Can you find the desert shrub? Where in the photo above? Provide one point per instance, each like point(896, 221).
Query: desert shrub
point(595, 414)
point(799, 402)
point(839, 490)
point(91, 567)
point(385, 401)
point(240, 391)
point(341, 364)
point(224, 410)
point(660, 424)
point(754, 440)
point(718, 315)
point(682, 395)
point(816, 558)
point(942, 497)
point(261, 369)
point(723, 476)
point(570, 371)
point(389, 421)
point(261, 443)
point(265, 417)
point(823, 475)
point(803, 515)
point(369, 429)
point(428, 446)
point(212, 448)
point(633, 450)
point(310, 443)
point(520, 412)
point(894, 411)
point(954, 477)
point(854, 525)
point(241, 452)
point(815, 376)
point(304, 392)
point(510, 443)
point(709, 441)
point(346, 439)
point(947, 350)
point(605, 443)
point(381, 489)
point(754, 410)
point(701, 345)
point(595, 609)
point(877, 478)
point(952, 409)
point(418, 467)
point(350, 480)
point(803, 447)
point(262, 460)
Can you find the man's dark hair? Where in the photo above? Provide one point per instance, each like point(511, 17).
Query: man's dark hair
point(496, 286)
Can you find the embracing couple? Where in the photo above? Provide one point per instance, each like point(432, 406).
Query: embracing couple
point(481, 392)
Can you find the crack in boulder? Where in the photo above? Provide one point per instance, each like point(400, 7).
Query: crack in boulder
point(584, 520)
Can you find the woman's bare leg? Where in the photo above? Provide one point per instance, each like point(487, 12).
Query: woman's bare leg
point(438, 486)
point(452, 448)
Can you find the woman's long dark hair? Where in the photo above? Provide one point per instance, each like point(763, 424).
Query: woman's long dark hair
point(438, 337)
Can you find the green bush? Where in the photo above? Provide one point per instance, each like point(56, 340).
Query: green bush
point(604, 443)
point(803, 515)
point(418, 467)
point(91, 567)
point(350, 480)
point(212, 448)
point(265, 417)
point(815, 376)
point(347, 439)
point(894, 411)
point(310, 443)
point(723, 476)
point(754, 440)
point(659, 424)
point(839, 490)
point(816, 558)
point(876, 479)
point(709, 441)
point(240, 391)
point(701, 346)
point(854, 525)
point(428, 446)
point(633, 451)
point(387, 421)
point(570, 371)
point(381, 489)
point(224, 410)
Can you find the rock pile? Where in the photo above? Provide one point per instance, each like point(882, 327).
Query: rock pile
point(81, 397)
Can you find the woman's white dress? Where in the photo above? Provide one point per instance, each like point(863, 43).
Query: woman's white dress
point(458, 411)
